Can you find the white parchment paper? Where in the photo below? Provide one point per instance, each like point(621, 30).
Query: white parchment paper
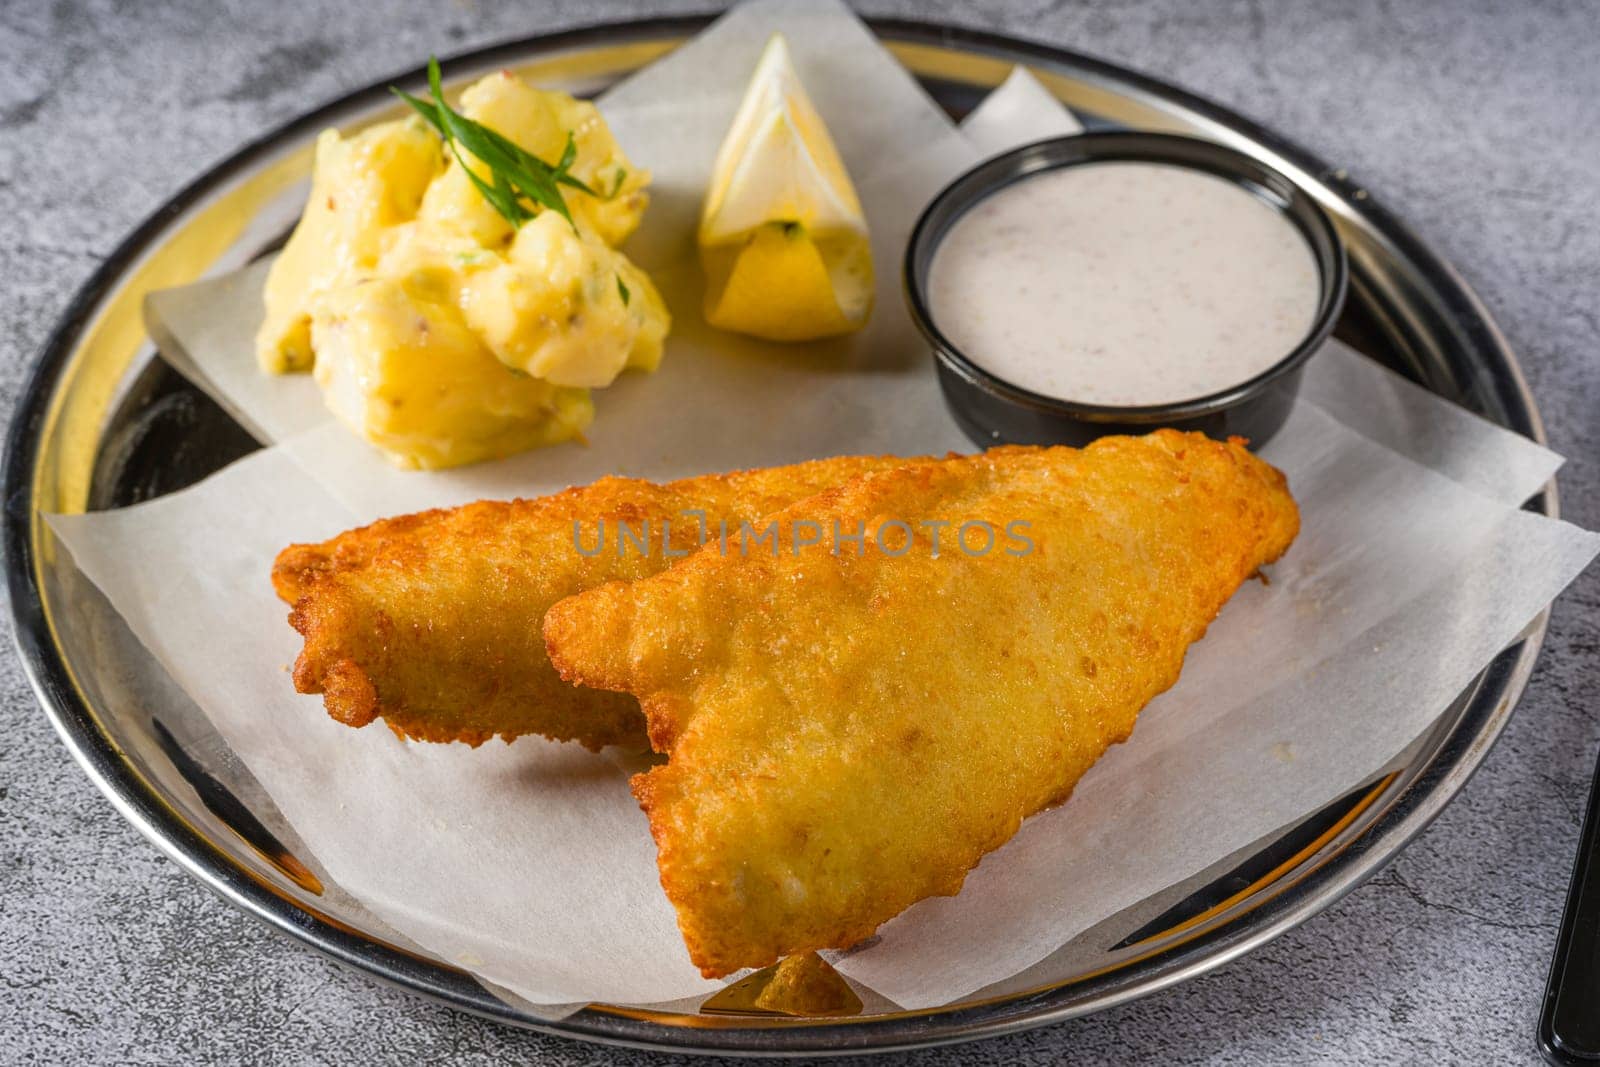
point(529, 865)
point(1019, 111)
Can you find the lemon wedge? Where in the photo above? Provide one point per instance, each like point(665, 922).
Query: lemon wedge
point(782, 236)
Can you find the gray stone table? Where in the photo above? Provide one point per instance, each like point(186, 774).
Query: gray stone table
point(1477, 121)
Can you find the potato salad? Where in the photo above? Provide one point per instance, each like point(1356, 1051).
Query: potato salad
point(442, 325)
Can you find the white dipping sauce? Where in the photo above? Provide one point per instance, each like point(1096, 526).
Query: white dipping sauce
point(1123, 284)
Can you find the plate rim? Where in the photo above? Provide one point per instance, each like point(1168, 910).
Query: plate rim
point(1423, 797)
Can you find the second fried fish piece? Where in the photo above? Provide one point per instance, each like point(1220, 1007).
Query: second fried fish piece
point(432, 621)
point(850, 733)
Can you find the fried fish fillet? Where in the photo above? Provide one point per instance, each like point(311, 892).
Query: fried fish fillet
point(848, 734)
point(432, 620)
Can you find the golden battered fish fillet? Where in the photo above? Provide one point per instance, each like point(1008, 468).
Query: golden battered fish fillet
point(432, 620)
point(850, 734)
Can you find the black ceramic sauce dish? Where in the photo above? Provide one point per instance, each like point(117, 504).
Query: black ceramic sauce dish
point(993, 411)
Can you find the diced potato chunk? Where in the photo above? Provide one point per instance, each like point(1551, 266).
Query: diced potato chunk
point(410, 376)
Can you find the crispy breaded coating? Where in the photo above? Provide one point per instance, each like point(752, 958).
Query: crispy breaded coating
point(850, 734)
point(807, 985)
point(432, 621)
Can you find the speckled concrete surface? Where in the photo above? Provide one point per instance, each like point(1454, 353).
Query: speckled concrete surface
point(1475, 120)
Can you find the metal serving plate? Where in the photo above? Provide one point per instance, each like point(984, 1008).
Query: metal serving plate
point(104, 422)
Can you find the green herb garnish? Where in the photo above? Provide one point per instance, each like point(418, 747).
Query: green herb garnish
point(622, 291)
point(520, 182)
